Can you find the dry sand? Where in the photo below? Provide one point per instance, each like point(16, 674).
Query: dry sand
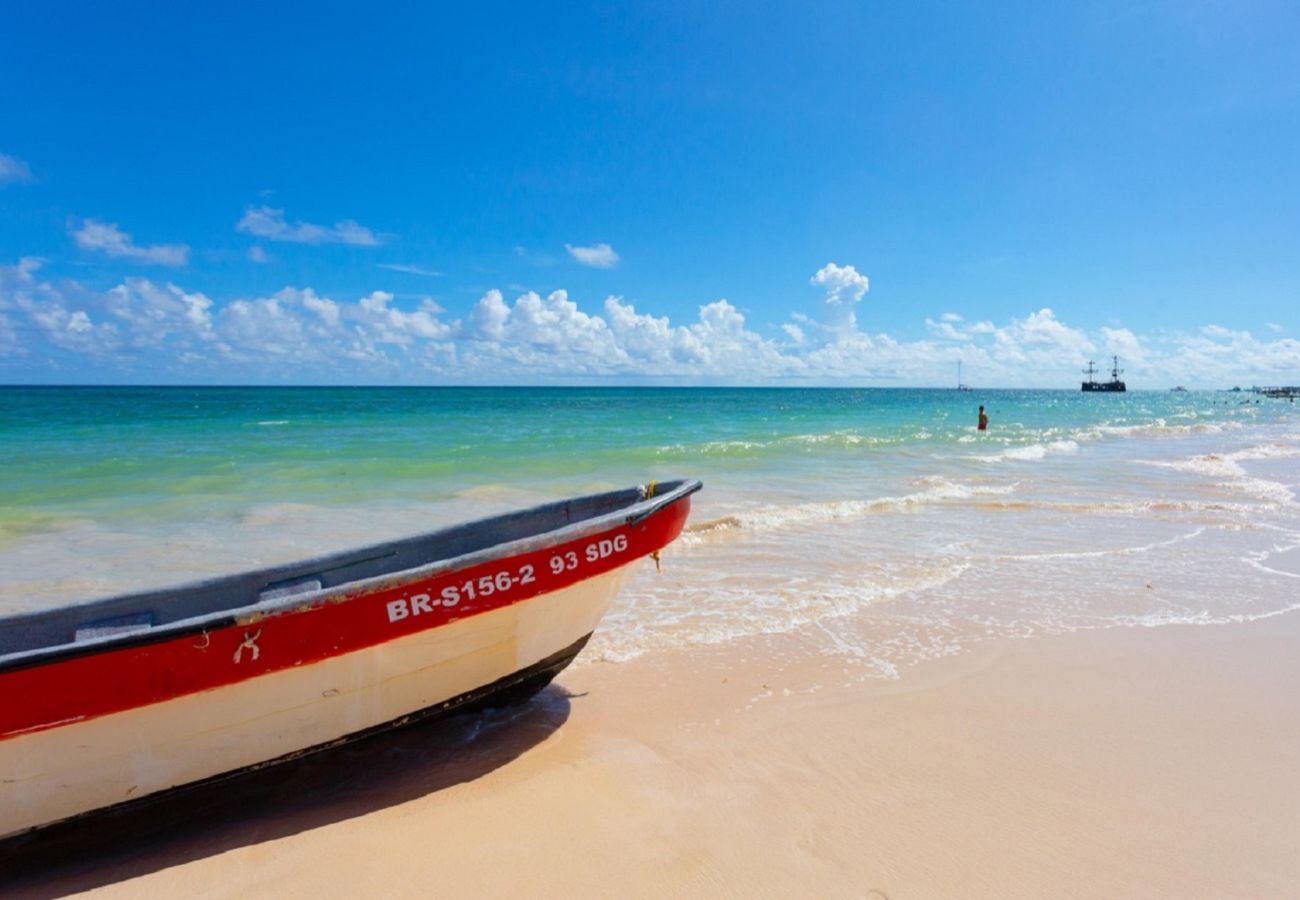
point(1128, 762)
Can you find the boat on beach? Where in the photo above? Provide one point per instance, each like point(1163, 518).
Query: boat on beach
point(113, 700)
point(1114, 385)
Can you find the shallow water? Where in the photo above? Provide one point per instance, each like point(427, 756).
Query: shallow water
point(878, 524)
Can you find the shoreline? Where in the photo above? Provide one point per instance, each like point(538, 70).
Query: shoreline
point(1124, 761)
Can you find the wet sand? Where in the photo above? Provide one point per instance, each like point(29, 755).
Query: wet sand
point(1126, 762)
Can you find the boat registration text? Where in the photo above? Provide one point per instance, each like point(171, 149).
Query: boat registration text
point(502, 581)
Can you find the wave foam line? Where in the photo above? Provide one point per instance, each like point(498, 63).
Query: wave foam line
point(1134, 507)
point(1161, 428)
point(1227, 466)
point(740, 614)
point(1096, 554)
point(938, 490)
point(737, 446)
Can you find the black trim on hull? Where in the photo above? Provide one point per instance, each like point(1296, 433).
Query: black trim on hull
point(515, 688)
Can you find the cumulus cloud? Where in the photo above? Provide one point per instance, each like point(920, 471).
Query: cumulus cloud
point(842, 283)
point(600, 256)
point(13, 170)
point(388, 325)
point(947, 328)
point(108, 238)
point(154, 313)
point(550, 323)
point(267, 222)
point(1041, 339)
point(1122, 342)
point(329, 312)
point(955, 327)
point(844, 287)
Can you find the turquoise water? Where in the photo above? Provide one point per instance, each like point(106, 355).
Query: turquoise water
point(877, 518)
point(160, 452)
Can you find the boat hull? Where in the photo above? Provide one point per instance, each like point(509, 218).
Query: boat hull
point(59, 773)
point(100, 727)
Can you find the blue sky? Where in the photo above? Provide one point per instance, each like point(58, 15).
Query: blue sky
point(653, 192)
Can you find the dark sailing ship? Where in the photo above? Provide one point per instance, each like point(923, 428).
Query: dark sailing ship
point(1092, 384)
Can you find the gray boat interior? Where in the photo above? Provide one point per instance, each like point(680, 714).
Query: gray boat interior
point(141, 612)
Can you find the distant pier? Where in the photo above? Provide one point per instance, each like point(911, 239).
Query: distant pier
point(1285, 393)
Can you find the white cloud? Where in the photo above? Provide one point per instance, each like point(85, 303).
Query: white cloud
point(108, 238)
point(267, 222)
point(844, 288)
point(651, 339)
point(409, 269)
point(164, 331)
point(1122, 342)
point(387, 325)
point(1274, 327)
point(257, 254)
point(1218, 331)
point(552, 322)
point(153, 314)
point(488, 318)
point(601, 256)
point(14, 171)
point(1040, 339)
point(326, 309)
point(841, 283)
point(266, 329)
point(944, 328)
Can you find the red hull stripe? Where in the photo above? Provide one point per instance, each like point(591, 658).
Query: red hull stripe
point(86, 686)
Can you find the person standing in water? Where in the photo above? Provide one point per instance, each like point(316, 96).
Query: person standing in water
point(984, 420)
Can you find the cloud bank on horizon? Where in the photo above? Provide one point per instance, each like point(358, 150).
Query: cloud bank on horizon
point(141, 329)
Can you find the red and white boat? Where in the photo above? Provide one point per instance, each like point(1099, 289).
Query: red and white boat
point(109, 701)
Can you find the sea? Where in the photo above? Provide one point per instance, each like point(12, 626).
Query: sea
point(878, 527)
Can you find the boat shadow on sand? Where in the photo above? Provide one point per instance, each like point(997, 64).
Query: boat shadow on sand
point(371, 774)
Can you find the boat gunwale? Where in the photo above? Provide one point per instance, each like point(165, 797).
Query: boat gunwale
point(351, 590)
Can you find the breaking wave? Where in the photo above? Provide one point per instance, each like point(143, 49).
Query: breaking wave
point(935, 489)
point(1030, 453)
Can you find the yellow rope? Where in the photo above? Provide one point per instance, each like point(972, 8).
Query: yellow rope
point(650, 492)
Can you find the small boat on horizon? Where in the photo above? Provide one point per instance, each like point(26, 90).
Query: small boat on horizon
point(127, 697)
point(961, 386)
point(1114, 385)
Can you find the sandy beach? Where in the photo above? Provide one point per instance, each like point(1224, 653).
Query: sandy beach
point(1121, 762)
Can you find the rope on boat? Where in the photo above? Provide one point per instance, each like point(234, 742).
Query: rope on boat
point(251, 644)
point(650, 492)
